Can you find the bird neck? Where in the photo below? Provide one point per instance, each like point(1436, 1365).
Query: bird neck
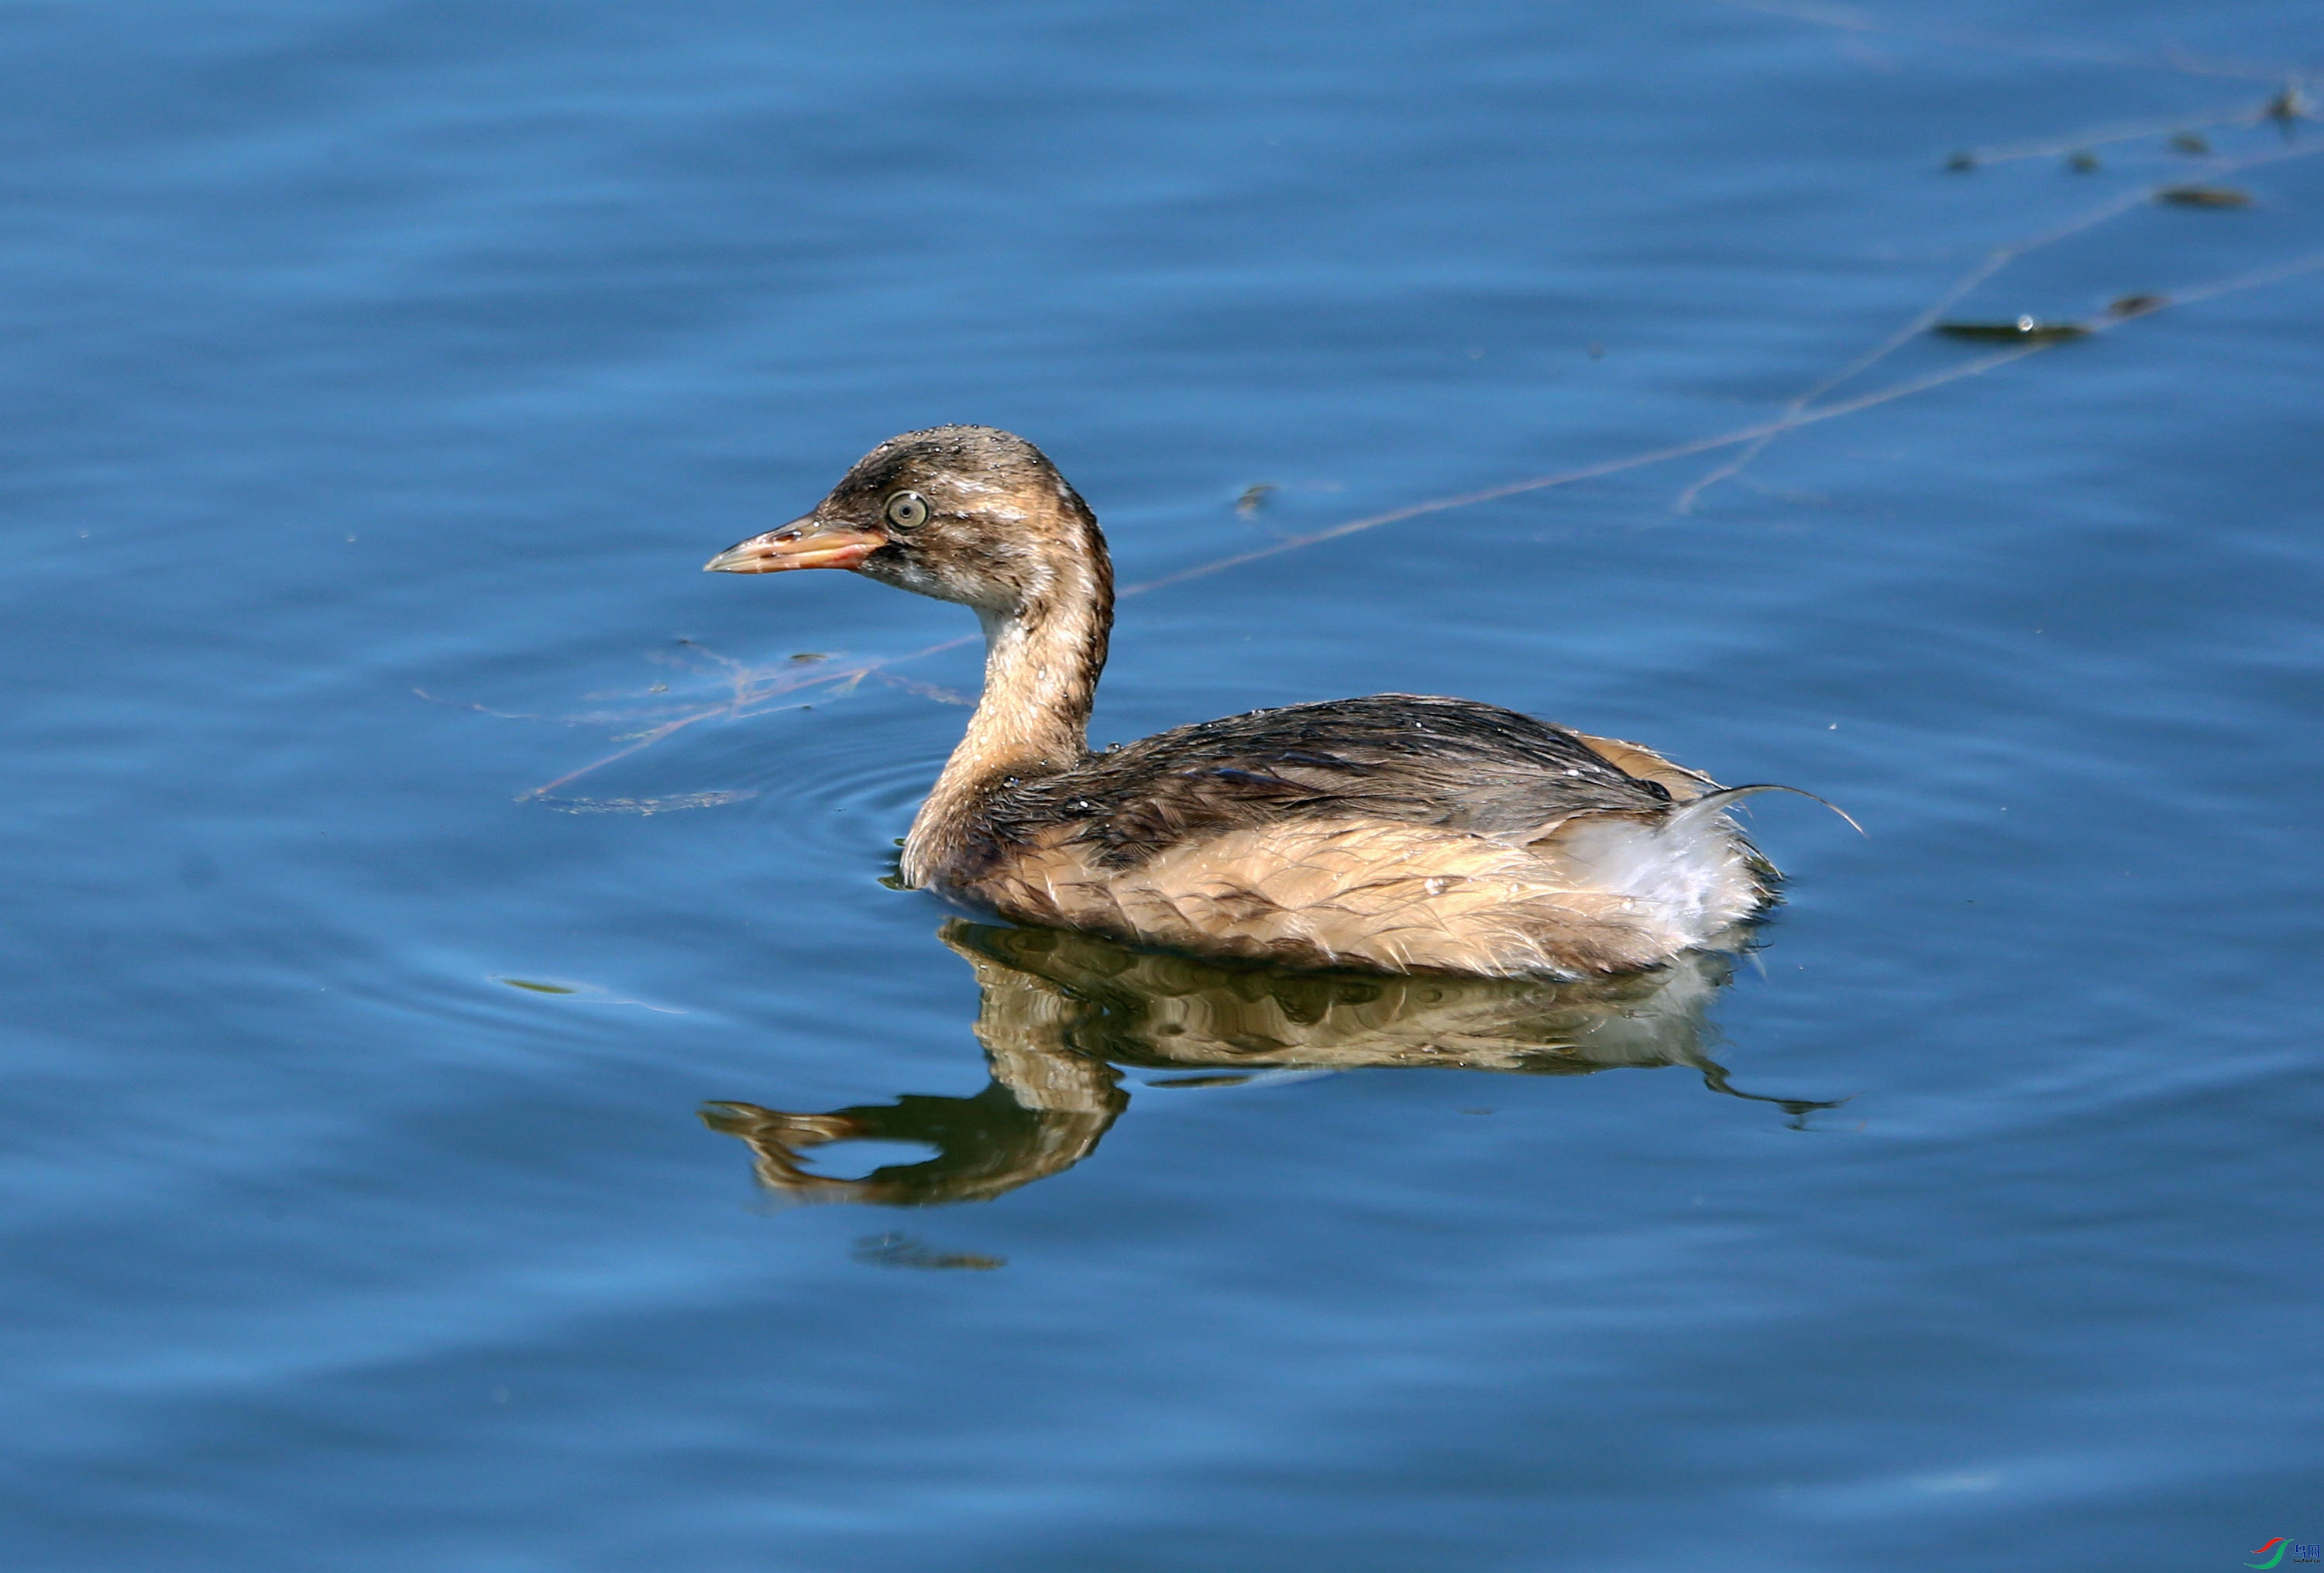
point(1042, 658)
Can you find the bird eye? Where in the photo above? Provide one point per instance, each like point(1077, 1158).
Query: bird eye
point(907, 510)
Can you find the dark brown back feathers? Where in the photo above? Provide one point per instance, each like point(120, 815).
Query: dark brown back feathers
point(1409, 758)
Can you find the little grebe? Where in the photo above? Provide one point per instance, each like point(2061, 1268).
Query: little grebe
point(1395, 833)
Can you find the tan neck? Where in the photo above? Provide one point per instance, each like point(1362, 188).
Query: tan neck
point(1042, 658)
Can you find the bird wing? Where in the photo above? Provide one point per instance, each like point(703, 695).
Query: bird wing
point(1407, 758)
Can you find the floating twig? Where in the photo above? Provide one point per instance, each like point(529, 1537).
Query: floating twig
point(2204, 197)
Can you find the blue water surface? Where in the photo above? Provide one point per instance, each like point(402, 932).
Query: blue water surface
point(377, 373)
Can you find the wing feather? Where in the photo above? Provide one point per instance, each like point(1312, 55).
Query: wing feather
point(1454, 764)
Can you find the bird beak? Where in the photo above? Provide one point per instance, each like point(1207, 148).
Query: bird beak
point(800, 544)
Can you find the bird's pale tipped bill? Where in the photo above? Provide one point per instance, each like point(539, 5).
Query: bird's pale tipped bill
point(773, 552)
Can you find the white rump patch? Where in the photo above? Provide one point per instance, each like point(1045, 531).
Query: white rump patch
point(1689, 869)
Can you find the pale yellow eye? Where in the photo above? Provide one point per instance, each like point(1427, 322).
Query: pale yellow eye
point(907, 510)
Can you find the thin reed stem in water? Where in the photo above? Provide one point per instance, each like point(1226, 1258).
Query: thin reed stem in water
point(754, 688)
point(1995, 261)
point(1851, 20)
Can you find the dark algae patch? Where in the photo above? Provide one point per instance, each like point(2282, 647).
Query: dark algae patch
point(2020, 330)
point(2204, 197)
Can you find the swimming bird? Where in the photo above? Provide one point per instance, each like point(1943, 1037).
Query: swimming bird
point(1397, 833)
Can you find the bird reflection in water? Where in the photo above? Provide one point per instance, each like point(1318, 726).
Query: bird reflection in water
point(1063, 1012)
